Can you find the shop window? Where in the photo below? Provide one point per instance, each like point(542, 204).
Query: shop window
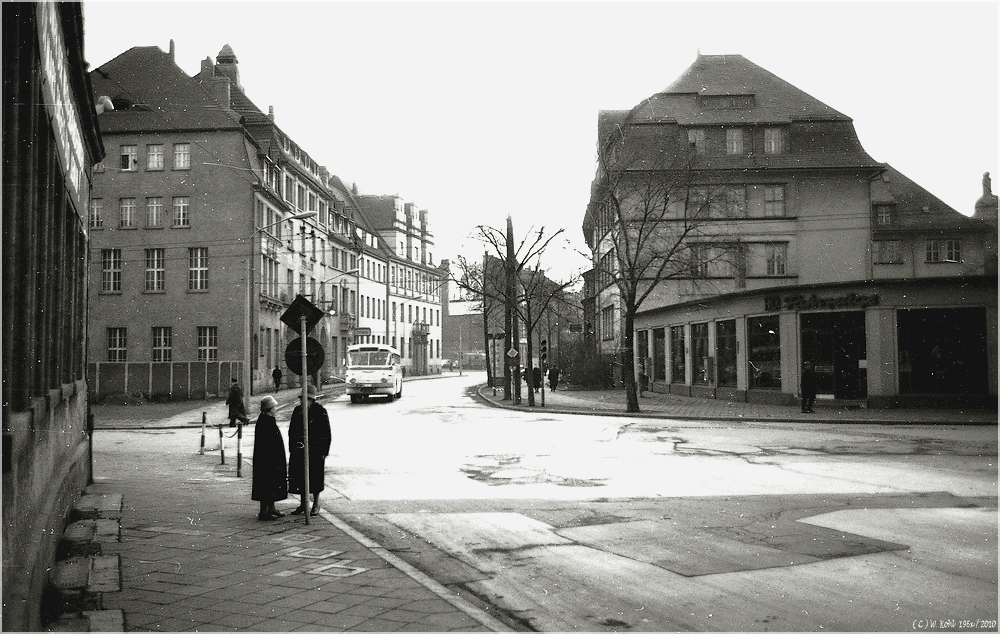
point(678, 356)
point(659, 354)
point(764, 352)
point(725, 352)
point(700, 356)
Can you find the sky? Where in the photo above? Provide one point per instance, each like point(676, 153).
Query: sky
point(475, 111)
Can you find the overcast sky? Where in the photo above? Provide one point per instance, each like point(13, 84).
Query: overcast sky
point(474, 111)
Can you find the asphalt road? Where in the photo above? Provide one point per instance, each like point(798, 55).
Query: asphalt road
point(602, 523)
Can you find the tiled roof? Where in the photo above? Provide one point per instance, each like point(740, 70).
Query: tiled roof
point(917, 209)
point(164, 97)
point(775, 100)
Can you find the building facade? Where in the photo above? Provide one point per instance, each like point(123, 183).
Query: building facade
point(812, 251)
point(50, 143)
point(208, 220)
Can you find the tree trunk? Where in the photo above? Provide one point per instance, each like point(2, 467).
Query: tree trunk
point(628, 357)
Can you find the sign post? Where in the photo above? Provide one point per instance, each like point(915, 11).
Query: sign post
point(301, 316)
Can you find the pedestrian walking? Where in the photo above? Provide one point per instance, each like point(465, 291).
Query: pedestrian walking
point(270, 473)
point(536, 377)
point(276, 375)
point(808, 387)
point(237, 408)
point(319, 448)
point(553, 378)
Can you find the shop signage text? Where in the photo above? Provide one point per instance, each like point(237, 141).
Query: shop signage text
point(813, 302)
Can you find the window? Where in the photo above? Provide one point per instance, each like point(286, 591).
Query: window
point(735, 202)
point(734, 141)
point(697, 200)
point(725, 352)
point(208, 343)
point(162, 344)
point(774, 201)
point(659, 354)
point(96, 213)
point(678, 367)
point(775, 255)
point(111, 270)
point(775, 140)
point(887, 252)
point(700, 355)
point(696, 138)
point(129, 161)
point(764, 352)
point(126, 213)
point(154, 211)
point(944, 251)
point(883, 215)
point(182, 208)
point(198, 269)
point(608, 323)
point(117, 345)
point(699, 254)
point(155, 276)
point(154, 157)
point(182, 156)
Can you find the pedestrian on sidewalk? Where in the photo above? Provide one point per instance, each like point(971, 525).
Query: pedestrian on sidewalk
point(276, 375)
point(536, 377)
point(808, 387)
point(319, 448)
point(237, 408)
point(270, 473)
point(553, 377)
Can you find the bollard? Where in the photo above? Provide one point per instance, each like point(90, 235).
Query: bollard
point(239, 449)
point(222, 445)
point(202, 433)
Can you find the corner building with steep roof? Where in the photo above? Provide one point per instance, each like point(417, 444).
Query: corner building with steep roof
point(822, 254)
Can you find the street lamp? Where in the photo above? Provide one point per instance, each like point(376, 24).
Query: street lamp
point(248, 382)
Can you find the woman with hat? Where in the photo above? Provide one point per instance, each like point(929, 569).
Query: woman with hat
point(269, 468)
point(319, 447)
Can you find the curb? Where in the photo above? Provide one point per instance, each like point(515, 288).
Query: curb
point(741, 418)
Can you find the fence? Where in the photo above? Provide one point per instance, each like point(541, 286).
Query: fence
point(163, 381)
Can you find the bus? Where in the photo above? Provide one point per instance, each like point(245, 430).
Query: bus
point(373, 368)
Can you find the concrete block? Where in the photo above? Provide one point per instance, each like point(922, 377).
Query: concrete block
point(99, 506)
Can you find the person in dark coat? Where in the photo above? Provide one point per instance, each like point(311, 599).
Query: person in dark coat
point(319, 448)
point(553, 378)
point(536, 377)
point(808, 387)
point(237, 409)
point(276, 375)
point(270, 475)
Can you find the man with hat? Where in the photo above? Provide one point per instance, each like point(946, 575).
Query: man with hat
point(319, 447)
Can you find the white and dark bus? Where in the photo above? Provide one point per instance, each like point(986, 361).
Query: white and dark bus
point(373, 369)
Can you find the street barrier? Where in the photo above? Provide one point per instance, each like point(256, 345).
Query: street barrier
point(203, 418)
point(222, 445)
point(239, 449)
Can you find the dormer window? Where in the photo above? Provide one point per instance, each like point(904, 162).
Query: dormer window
point(696, 138)
point(775, 140)
point(884, 216)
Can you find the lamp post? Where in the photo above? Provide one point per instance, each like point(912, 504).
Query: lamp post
point(248, 382)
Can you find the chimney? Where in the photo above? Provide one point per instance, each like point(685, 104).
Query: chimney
point(172, 52)
point(220, 90)
point(228, 65)
point(270, 113)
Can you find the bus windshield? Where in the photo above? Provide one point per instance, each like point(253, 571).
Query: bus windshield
point(377, 358)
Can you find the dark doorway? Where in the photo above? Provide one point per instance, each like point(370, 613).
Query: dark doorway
point(835, 343)
point(942, 351)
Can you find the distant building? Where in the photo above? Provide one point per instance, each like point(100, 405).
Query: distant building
point(208, 221)
point(815, 252)
point(50, 143)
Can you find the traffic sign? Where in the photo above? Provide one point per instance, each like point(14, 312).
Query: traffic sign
point(315, 356)
point(301, 307)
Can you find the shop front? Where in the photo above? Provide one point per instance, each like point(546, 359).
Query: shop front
point(906, 343)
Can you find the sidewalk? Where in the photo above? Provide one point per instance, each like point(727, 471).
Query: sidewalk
point(667, 406)
point(194, 556)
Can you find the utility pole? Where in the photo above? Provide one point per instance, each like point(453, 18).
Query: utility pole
point(514, 341)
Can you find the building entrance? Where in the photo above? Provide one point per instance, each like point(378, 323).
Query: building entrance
point(835, 343)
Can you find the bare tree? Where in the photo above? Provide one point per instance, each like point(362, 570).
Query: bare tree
point(654, 218)
point(484, 282)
